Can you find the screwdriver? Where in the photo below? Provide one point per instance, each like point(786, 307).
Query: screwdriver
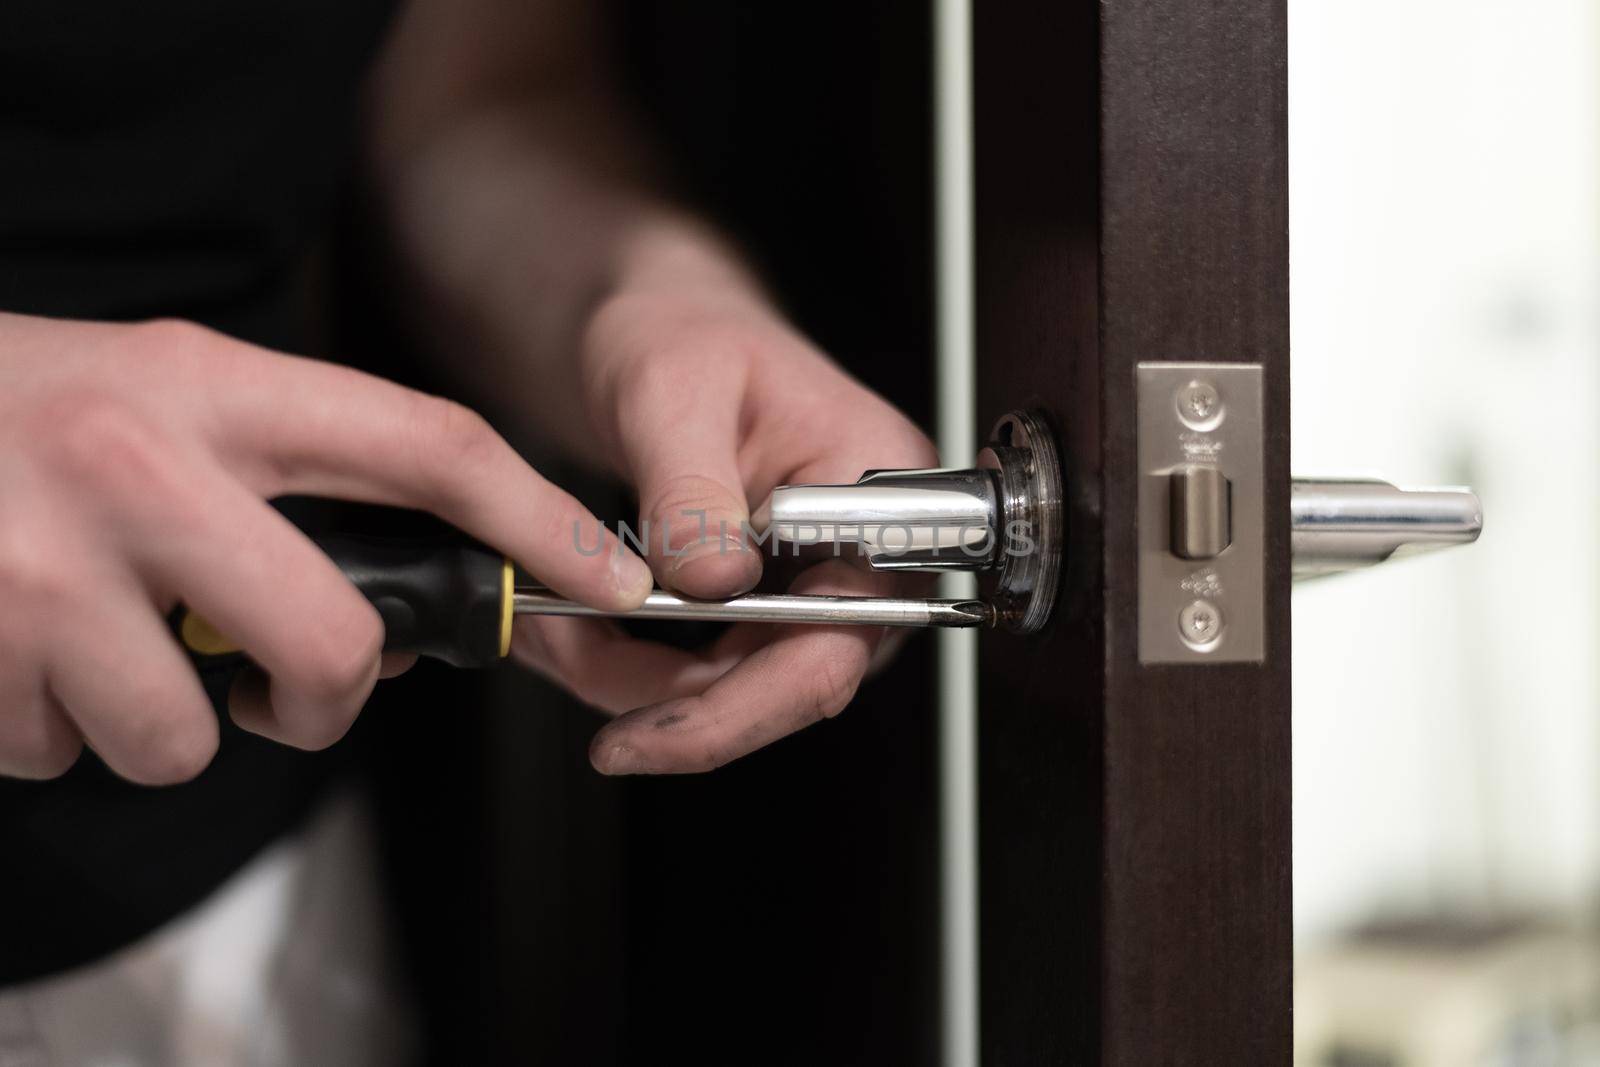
point(453, 600)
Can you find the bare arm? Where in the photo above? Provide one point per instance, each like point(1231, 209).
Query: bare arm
point(613, 319)
point(523, 195)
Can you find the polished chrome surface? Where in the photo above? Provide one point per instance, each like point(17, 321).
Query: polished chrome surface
point(774, 607)
point(1341, 525)
point(1200, 525)
point(1001, 517)
point(1201, 521)
point(1200, 504)
point(899, 519)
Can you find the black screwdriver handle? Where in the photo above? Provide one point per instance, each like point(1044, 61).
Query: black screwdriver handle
point(445, 598)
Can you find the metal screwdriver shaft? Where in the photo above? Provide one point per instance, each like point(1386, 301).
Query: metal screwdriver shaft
point(774, 607)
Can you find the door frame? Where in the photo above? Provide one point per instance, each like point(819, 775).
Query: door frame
point(1131, 204)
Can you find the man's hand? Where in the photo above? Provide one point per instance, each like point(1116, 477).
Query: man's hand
point(519, 189)
point(135, 462)
point(705, 400)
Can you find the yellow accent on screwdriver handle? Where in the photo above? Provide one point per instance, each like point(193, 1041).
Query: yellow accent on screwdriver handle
point(441, 597)
point(508, 601)
point(203, 639)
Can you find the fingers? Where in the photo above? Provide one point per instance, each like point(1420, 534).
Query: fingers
point(811, 422)
point(805, 674)
point(681, 448)
point(602, 666)
point(257, 579)
point(37, 740)
point(129, 691)
point(324, 430)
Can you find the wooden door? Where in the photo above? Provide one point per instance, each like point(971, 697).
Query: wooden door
point(1134, 820)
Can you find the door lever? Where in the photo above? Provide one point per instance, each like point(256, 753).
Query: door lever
point(1348, 524)
point(1001, 518)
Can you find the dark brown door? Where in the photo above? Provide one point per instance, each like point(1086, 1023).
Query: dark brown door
point(1134, 819)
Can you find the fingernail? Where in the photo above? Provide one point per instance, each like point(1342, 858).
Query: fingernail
point(619, 759)
point(632, 577)
point(718, 546)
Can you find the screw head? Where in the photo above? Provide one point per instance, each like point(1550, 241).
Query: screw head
point(1200, 405)
point(1200, 623)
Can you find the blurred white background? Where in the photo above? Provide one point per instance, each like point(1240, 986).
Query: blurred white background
point(1445, 191)
point(1445, 232)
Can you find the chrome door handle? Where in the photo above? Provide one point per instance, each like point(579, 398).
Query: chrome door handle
point(1002, 518)
point(948, 519)
point(1344, 525)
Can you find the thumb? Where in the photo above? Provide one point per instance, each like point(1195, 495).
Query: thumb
point(693, 512)
point(696, 519)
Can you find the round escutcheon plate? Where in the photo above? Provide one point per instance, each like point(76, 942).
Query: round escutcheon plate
point(1032, 533)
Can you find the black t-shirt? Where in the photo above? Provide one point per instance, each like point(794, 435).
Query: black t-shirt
point(164, 158)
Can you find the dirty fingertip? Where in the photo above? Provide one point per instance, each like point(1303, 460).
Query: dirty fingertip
point(610, 757)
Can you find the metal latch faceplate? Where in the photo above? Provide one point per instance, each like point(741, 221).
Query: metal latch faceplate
point(1200, 513)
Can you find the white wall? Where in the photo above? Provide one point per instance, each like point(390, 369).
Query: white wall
point(1445, 232)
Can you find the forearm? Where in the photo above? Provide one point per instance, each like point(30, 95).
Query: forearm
point(516, 221)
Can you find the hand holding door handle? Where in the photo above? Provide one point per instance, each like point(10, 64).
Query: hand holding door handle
point(1001, 518)
point(455, 601)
